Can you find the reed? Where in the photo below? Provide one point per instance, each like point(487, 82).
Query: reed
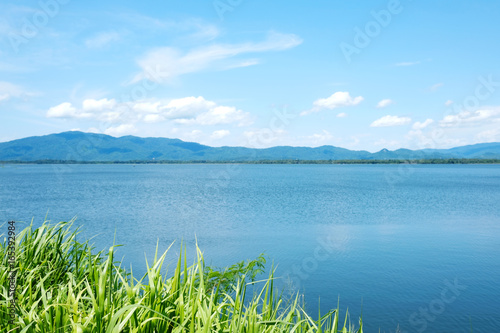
point(63, 285)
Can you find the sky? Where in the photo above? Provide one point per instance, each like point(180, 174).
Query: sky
point(362, 75)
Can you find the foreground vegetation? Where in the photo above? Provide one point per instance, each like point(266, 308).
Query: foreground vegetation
point(64, 286)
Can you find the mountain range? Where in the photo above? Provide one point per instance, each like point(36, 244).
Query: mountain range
point(91, 147)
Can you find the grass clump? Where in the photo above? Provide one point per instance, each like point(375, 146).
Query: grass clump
point(65, 286)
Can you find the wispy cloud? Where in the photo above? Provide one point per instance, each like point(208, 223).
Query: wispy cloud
point(384, 103)
point(411, 63)
point(102, 39)
point(190, 29)
point(407, 63)
point(10, 67)
point(436, 86)
point(200, 30)
point(171, 62)
point(243, 63)
point(9, 90)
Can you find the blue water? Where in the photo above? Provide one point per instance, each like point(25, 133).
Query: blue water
point(416, 245)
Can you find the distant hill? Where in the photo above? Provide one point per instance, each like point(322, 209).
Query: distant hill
point(90, 147)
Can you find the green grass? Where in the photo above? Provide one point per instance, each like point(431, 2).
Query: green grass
point(63, 285)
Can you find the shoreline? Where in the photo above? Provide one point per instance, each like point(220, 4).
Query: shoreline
point(288, 161)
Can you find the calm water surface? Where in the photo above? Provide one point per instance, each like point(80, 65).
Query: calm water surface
point(417, 246)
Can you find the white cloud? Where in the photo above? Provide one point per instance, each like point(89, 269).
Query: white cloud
point(448, 102)
point(439, 138)
point(120, 130)
point(492, 135)
point(147, 107)
point(419, 126)
point(388, 143)
point(390, 121)
point(459, 129)
point(170, 62)
point(93, 105)
point(102, 39)
point(4, 97)
point(199, 111)
point(93, 130)
point(478, 117)
point(188, 110)
point(63, 110)
point(103, 110)
point(264, 137)
point(193, 135)
point(420, 139)
point(153, 118)
point(342, 115)
point(384, 103)
point(219, 134)
point(336, 100)
point(320, 138)
point(218, 115)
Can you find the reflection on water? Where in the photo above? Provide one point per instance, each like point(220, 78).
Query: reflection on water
point(377, 237)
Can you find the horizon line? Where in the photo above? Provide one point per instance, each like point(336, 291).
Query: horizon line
point(259, 148)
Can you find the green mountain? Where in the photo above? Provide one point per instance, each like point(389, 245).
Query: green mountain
point(89, 147)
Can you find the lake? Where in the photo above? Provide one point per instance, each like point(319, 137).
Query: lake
point(414, 245)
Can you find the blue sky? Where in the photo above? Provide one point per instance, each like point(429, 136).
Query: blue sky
point(360, 75)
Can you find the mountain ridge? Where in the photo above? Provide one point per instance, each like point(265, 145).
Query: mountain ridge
point(91, 147)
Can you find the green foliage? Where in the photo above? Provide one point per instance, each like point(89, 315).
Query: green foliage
point(78, 147)
point(63, 286)
point(225, 278)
